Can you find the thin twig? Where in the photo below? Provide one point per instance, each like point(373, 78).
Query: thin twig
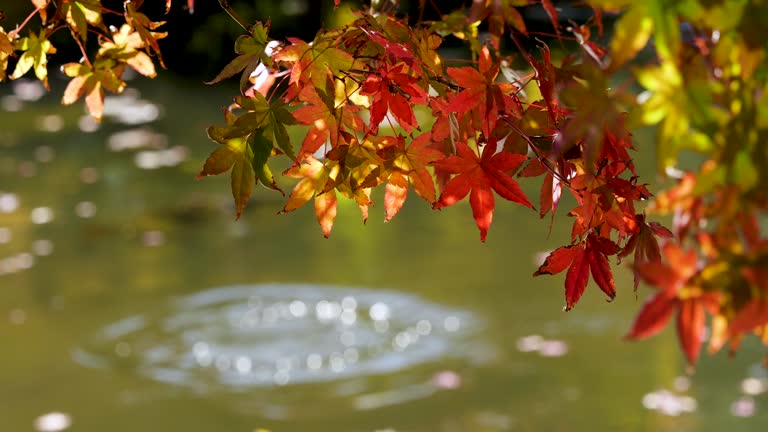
point(82, 48)
point(543, 159)
point(13, 33)
point(231, 12)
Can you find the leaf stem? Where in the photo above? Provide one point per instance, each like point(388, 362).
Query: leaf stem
point(543, 159)
point(13, 33)
point(80, 44)
point(232, 14)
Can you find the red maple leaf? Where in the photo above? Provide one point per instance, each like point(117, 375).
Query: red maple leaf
point(481, 93)
point(395, 91)
point(581, 259)
point(325, 118)
point(598, 204)
point(314, 176)
point(402, 164)
point(644, 244)
point(676, 293)
point(481, 175)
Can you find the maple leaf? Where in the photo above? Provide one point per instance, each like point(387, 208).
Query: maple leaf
point(751, 316)
point(599, 204)
point(6, 50)
point(80, 13)
point(426, 45)
point(631, 33)
point(675, 294)
point(644, 244)
point(91, 81)
point(316, 64)
point(481, 93)
point(581, 259)
point(41, 6)
point(125, 46)
point(395, 91)
point(36, 49)
point(546, 80)
point(394, 50)
point(314, 176)
point(354, 165)
point(498, 14)
point(245, 151)
point(401, 165)
point(252, 51)
point(479, 176)
point(144, 26)
point(457, 24)
point(271, 118)
point(549, 7)
point(325, 118)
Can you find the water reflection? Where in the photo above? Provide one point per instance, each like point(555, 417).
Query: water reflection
point(53, 422)
point(235, 339)
point(668, 403)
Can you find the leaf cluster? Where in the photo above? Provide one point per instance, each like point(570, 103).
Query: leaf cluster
point(380, 106)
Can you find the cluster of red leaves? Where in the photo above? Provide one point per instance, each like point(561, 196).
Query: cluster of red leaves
point(382, 108)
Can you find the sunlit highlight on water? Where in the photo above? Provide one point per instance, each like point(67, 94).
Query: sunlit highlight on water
point(50, 123)
point(239, 338)
point(754, 386)
point(129, 109)
point(8, 202)
point(53, 422)
point(89, 175)
point(41, 215)
point(17, 316)
point(138, 138)
point(85, 209)
point(743, 407)
point(668, 403)
point(45, 154)
point(88, 124)
point(26, 169)
point(5, 235)
point(28, 90)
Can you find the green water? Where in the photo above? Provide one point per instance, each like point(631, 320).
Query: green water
point(148, 238)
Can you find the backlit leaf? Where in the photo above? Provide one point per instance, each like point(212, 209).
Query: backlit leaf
point(36, 49)
point(243, 181)
point(80, 13)
point(481, 175)
point(653, 316)
point(144, 27)
point(691, 328)
point(631, 34)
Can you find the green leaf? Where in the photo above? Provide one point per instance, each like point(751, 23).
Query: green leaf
point(251, 52)
point(35, 53)
point(220, 161)
point(666, 29)
point(744, 172)
point(631, 34)
point(261, 148)
point(242, 181)
point(236, 65)
point(271, 117)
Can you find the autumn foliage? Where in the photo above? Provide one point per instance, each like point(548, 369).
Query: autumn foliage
point(382, 107)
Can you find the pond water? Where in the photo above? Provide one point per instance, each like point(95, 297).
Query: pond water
point(130, 300)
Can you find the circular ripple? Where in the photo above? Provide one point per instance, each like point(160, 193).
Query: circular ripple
point(349, 342)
